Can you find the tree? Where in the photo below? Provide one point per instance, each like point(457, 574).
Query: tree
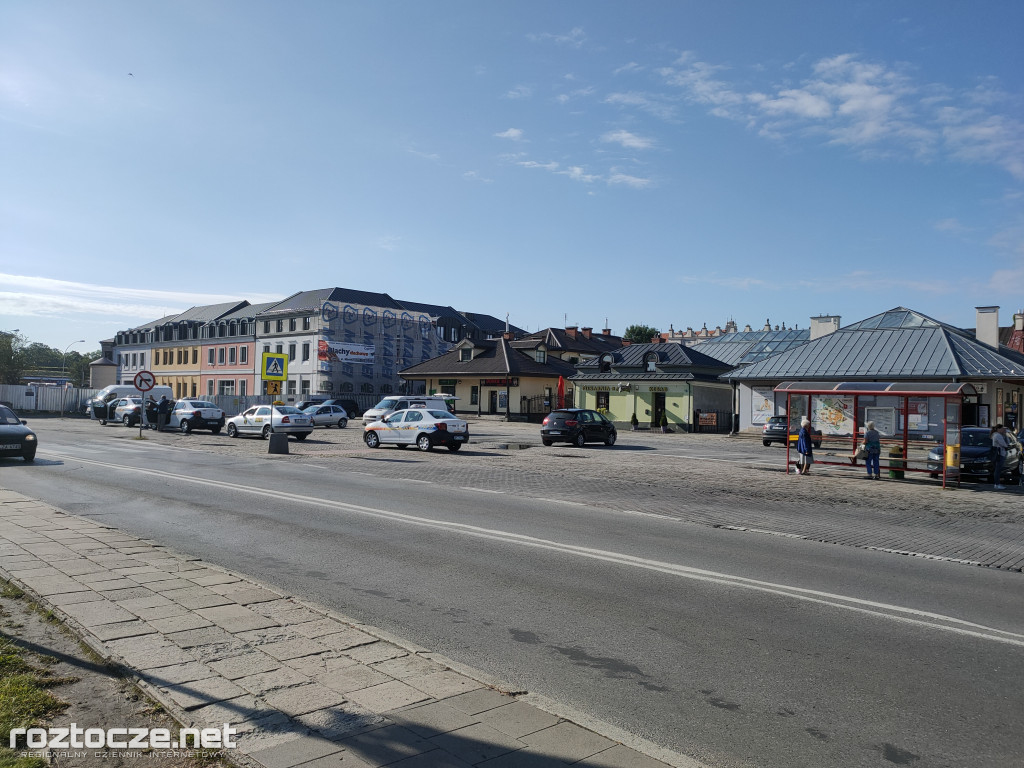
point(640, 334)
point(12, 363)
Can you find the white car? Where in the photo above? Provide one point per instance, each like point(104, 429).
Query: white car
point(257, 421)
point(327, 415)
point(422, 427)
point(192, 414)
point(128, 410)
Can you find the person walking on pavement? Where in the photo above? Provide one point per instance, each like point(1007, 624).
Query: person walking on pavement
point(999, 448)
point(873, 448)
point(163, 411)
point(805, 447)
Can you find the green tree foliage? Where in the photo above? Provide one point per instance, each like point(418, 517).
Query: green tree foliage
point(640, 334)
point(19, 358)
point(11, 364)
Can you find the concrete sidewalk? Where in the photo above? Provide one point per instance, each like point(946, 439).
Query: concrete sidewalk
point(300, 684)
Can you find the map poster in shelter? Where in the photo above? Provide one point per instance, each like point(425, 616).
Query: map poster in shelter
point(833, 415)
point(762, 404)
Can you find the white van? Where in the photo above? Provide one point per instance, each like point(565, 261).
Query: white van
point(393, 403)
point(101, 407)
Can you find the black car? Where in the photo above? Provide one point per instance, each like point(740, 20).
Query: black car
point(776, 430)
point(577, 426)
point(977, 456)
point(15, 438)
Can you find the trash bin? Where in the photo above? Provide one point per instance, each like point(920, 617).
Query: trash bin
point(953, 459)
point(896, 463)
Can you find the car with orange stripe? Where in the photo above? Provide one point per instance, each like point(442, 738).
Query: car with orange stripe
point(426, 428)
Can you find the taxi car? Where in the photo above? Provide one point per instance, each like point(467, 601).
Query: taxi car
point(128, 410)
point(263, 419)
point(16, 439)
point(425, 428)
point(189, 414)
point(327, 415)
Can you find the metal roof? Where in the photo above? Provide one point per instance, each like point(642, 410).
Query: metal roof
point(898, 344)
point(208, 312)
point(904, 388)
point(669, 355)
point(312, 301)
point(747, 347)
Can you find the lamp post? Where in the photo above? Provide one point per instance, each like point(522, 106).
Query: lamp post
point(63, 384)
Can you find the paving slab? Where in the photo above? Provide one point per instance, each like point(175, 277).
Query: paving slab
point(295, 752)
point(245, 664)
point(372, 652)
point(264, 682)
point(476, 743)
point(385, 697)
point(235, 618)
point(199, 693)
point(121, 629)
point(353, 678)
point(441, 685)
point(517, 719)
point(97, 612)
point(567, 741)
point(480, 700)
point(302, 699)
point(342, 720)
point(429, 720)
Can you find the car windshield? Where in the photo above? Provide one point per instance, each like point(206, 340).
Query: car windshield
point(287, 409)
point(387, 403)
point(311, 409)
point(976, 438)
point(7, 416)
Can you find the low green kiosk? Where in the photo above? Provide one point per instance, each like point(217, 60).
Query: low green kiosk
point(913, 419)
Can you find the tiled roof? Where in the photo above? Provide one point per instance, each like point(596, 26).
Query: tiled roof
point(560, 339)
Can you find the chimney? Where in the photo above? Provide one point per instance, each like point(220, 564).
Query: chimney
point(570, 331)
point(987, 328)
point(507, 335)
point(606, 331)
point(586, 332)
point(1018, 321)
point(767, 325)
point(657, 339)
point(823, 325)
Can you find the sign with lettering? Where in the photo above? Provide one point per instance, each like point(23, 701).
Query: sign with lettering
point(708, 420)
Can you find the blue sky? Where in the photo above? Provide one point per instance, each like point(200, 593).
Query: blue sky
point(655, 162)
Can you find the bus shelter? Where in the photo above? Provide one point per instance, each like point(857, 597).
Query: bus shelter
point(919, 422)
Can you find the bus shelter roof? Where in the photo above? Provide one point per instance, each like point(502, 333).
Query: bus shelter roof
point(901, 388)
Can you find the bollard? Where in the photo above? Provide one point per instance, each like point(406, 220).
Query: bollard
point(278, 443)
point(896, 463)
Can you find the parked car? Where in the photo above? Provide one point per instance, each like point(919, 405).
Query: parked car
point(577, 426)
point(393, 403)
point(101, 407)
point(259, 420)
point(426, 428)
point(190, 414)
point(16, 439)
point(127, 410)
point(777, 430)
point(327, 415)
point(351, 406)
point(977, 456)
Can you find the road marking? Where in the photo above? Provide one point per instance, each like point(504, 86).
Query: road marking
point(479, 490)
point(888, 611)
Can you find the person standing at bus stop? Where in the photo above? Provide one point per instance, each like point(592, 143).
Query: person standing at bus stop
point(999, 448)
point(805, 447)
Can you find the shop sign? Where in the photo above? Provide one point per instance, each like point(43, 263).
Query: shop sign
point(708, 420)
point(657, 389)
point(500, 382)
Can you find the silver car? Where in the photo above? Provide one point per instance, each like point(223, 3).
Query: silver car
point(192, 414)
point(258, 420)
point(327, 415)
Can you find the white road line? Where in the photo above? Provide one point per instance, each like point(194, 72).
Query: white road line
point(888, 611)
point(479, 490)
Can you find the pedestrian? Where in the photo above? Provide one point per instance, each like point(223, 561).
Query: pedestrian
point(873, 449)
point(805, 447)
point(151, 409)
point(163, 411)
point(999, 449)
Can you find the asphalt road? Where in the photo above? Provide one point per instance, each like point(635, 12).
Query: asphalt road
point(735, 650)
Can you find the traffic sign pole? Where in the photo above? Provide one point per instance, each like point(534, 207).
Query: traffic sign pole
point(143, 381)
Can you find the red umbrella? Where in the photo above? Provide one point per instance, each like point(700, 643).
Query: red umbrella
point(561, 392)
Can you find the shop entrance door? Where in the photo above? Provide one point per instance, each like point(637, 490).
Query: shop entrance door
point(658, 409)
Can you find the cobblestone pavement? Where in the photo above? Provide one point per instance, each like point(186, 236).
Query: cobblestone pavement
point(299, 684)
point(689, 478)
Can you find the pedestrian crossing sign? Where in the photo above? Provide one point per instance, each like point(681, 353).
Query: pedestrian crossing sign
point(275, 366)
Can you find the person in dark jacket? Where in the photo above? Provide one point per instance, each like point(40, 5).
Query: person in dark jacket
point(873, 448)
point(163, 413)
point(805, 447)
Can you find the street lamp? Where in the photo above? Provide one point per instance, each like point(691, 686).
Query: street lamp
point(63, 384)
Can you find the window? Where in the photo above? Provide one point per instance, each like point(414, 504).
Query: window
point(142, 359)
point(231, 356)
point(465, 355)
point(279, 349)
point(209, 388)
point(651, 362)
point(386, 389)
point(220, 355)
point(211, 356)
point(474, 395)
point(291, 387)
point(346, 386)
point(266, 348)
point(226, 387)
point(280, 326)
point(232, 329)
point(221, 330)
point(291, 324)
point(602, 400)
point(304, 387)
point(366, 389)
point(134, 359)
point(266, 326)
point(305, 352)
point(242, 387)
point(542, 356)
point(195, 389)
point(180, 356)
point(195, 355)
point(167, 357)
point(307, 323)
point(291, 353)
point(605, 365)
point(243, 355)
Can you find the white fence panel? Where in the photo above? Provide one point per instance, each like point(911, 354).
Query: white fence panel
point(25, 398)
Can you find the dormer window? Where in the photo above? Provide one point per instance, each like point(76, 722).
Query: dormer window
point(465, 354)
point(651, 362)
point(605, 363)
point(542, 355)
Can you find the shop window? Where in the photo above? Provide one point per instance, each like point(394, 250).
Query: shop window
point(602, 400)
point(474, 396)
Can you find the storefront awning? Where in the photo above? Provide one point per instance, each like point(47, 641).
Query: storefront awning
point(902, 388)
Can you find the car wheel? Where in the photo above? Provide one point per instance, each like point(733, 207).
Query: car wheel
point(265, 434)
point(215, 430)
point(547, 442)
point(454, 447)
point(371, 439)
point(423, 443)
point(610, 440)
point(126, 420)
point(232, 430)
point(767, 443)
point(302, 437)
point(342, 423)
point(933, 475)
point(817, 444)
point(103, 422)
point(580, 440)
point(185, 426)
point(29, 457)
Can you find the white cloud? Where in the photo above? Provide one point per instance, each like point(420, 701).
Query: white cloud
point(515, 134)
point(576, 173)
point(552, 166)
point(631, 67)
point(574, 38)
point(519, 92)
point(949, 225)
point(627, 140)
point(657, 105)
point(388, 242)
point(475, 176)
point(630, 181)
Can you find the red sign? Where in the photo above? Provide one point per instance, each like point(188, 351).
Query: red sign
point(144, 381)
